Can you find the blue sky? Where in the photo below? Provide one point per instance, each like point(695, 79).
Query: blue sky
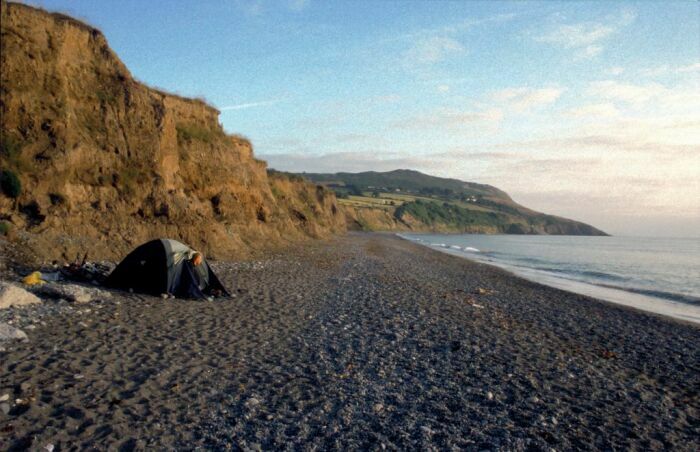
point(589, 110)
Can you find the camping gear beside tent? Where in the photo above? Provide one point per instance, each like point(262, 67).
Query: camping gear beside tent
point(165, 266)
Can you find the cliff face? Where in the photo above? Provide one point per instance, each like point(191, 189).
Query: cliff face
point(106, 162)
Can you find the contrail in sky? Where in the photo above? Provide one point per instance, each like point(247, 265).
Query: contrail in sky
point(249, 105)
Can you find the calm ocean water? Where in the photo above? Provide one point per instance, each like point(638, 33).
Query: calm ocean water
point(661, 275)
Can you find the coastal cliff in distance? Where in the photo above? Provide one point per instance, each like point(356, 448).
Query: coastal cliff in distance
point(406, 200)
point(105, 162)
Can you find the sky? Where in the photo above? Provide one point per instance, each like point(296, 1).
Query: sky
point(587, 110)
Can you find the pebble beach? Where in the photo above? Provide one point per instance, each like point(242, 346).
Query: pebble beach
point(365, 341)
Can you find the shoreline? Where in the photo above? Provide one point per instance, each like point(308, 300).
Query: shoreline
point(359, 342)
point(677, 310)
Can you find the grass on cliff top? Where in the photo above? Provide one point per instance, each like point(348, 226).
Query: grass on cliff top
point(193, 132)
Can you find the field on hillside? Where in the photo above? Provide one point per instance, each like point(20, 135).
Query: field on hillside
point(389, 201)
point(382, 201)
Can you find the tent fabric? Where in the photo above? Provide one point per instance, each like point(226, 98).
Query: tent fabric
point(164, 266)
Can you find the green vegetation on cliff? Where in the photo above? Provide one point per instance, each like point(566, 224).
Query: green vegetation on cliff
point(410, 200)
point(435, 213)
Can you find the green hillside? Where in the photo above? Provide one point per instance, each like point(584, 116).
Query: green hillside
point(417, 201)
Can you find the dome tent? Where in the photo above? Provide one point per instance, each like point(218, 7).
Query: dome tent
point(165, 266)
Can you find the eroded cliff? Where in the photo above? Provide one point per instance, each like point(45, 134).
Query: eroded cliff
point(106, 162)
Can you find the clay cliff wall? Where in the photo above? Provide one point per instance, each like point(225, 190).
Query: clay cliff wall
point(106, 162)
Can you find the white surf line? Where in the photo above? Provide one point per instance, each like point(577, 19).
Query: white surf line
point(648, 303)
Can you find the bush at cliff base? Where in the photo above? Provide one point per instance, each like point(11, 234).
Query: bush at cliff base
point(10, 184)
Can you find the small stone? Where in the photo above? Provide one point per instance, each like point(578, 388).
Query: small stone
point(4, 397)
point(554, 420)
point(5, 407)
point(378, 407)
point(48, 448)
point(489, 395)
point(426, 430)
point(252, 402)
point(25, 386)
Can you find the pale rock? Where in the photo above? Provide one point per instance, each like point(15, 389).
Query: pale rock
point(73, 292)
point(12, 295)
point(252, 403)
point(8, 332)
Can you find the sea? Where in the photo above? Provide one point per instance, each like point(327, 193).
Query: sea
point(660, 275)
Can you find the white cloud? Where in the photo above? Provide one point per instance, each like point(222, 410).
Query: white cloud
point(695, 67)
point(443, 88)
point(374, 160)
point(625, 92)
point(468, 24)
point(586, 38)
point(251, 7)
point(465, 164)
point(589, 52)
point(452, 29)
point(432, 50)
point(450, 119)
point(429, 46)
point(615, 70)
point(577, 35)
point(666, 69)
point(603, 110)
point(261, 7)
point(523, 99)
point(681, 98)
point(298, 5)
point(656, 71)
